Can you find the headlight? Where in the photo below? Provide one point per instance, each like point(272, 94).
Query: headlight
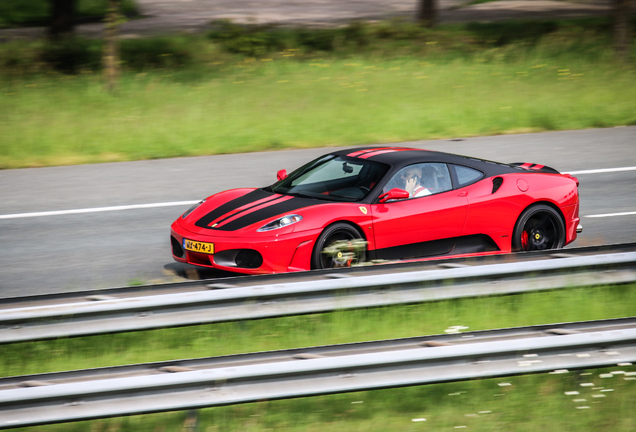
point(281, 222)
point(191, 209)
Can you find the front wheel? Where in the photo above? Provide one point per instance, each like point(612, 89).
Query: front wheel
point(339, 245)
point(539, 227)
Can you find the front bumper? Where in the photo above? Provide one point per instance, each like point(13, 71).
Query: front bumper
point(250, 254)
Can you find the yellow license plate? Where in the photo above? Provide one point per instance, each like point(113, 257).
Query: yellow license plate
point(196, 246)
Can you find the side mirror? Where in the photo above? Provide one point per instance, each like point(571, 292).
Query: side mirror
point(281, 174)
point(393, 194)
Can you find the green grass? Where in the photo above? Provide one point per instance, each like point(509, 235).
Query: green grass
point(254, 106)
point(19, 13)
point(531, 403)
point(186, 96)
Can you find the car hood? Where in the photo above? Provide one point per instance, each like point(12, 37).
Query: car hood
point(229, 212)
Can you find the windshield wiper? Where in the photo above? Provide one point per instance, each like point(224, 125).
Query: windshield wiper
point(299, 195)
point(318, 197)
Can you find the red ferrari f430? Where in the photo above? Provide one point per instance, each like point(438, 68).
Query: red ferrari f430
point(398, 203)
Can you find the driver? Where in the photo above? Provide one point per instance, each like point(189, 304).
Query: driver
point(412, 177)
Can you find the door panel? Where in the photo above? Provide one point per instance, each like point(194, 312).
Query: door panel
point(413, 228)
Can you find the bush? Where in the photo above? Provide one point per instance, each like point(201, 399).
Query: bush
point(357, 33)
point(155, 53)
point(18, 58)
point(505, 33)
point(70, 55)
point(257, 40)
point(17, 13)
point(249, 40)
point(398, 29)
point(318, 40)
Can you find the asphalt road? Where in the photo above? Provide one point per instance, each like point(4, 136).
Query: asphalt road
point(70, 252)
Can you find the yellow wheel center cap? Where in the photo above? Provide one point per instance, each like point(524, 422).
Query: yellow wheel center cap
point(339, 254)
point(537, 236)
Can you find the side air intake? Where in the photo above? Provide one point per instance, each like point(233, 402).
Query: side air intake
point(496, 184)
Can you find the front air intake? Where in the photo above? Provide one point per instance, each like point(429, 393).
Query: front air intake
point(248, 258)
point(177, 250)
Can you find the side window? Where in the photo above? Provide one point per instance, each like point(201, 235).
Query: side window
point(466, 176)
point(421, 179)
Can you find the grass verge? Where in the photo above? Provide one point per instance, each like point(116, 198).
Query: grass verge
point(186, 96)
point(265, 106)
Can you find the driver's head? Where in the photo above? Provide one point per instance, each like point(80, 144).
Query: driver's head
point(410, 173)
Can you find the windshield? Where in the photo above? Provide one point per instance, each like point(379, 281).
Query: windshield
point(334, 178)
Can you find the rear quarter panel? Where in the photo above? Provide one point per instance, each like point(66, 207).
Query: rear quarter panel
point(496, 214)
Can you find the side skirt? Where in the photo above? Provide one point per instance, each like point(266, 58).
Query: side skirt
point(450, 246)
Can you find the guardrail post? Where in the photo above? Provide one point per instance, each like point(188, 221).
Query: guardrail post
point(191, 423)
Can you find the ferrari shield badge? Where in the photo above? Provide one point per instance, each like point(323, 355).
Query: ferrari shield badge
point(363, 209)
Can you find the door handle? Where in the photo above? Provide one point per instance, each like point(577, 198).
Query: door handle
point(462, 194)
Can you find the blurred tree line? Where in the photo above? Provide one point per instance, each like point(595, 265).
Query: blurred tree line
point(62, 26)
point(63, 19)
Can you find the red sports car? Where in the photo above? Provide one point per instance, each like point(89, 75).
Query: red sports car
point(398, 203)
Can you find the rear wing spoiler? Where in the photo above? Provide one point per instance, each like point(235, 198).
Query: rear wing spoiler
point(542, 169)
point(535, 167)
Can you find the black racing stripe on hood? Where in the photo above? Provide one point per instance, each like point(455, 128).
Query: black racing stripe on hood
point(229, 206)
point(247, 209)
point(275, 209)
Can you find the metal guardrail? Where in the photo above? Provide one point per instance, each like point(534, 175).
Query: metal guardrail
point(237, 280)
point(313, 372)
point(180, 309)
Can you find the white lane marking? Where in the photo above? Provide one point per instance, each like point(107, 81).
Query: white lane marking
point(612, 214)
point(178, 203)
point(97, 209)
point(602, 170)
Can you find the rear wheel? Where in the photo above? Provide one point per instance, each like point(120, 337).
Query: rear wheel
point(339, 245)
point(539, 227)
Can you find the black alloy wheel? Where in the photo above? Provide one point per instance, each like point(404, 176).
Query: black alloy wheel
point(338, 246)
point(539, 227)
